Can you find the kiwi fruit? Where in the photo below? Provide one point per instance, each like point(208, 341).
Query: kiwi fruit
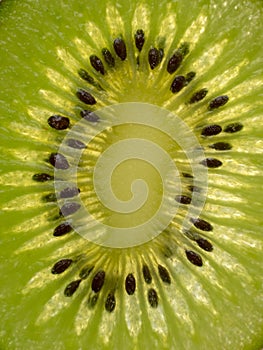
point(67, 70)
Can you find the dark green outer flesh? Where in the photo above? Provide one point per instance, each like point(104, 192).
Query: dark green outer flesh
point(27, 49)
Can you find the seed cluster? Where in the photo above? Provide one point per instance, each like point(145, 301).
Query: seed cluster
point(99, 278)
point(99, 66)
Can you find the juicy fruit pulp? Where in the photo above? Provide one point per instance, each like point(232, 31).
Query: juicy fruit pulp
point(165, 298)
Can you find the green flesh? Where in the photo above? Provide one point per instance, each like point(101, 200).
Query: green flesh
point(216, 306)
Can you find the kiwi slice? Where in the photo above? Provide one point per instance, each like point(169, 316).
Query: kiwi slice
point(162, 104)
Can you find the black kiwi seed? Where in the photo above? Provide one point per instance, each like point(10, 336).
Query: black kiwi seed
point(130, 284)
point(85, 76)
point(198, 96)
point(189, 77)
point(93, 300)
point(89, 116)
point(69, 192)
point(164, 274)
point(204, 244)
point(97, 64)
point(108, 57)
point(85, 272)
point(98, 281)
point(120, 48)
point(62, 229)
point(58, 161)
point(161, 55)
point(75, 144)
point(234, 127)
point(221, 146)
point(42, 177)
point(153, 298)
point(71, 288)
point(194, 188)
point(202, 224)
point(58, 122)
point(211, 130)
point(61, 266)
point(178, 83)
point(184, 49)
point(154, 57)
point(85, 97)
point(139, 39)
point(174, 62)
point(110, 302)
point(194, 258)
point(69, 208)
point(187, 175)
point(211, 162)
point(49, 198)
point(218, 102)
point(146, 274)
point(183, 199)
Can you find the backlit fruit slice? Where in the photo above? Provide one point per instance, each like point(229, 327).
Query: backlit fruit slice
point(111, 106)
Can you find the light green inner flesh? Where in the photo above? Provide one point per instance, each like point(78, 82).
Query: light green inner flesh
point(125, 174)
point(218, 306)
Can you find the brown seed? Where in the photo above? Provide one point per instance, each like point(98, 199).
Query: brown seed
point(93, 300)
point(62, 229)
point(110, 303)
point(120, 48)
point(58, 161)
point(221, 146)
point(58, 122)
point(139, 39)
point(234, 127)
point(174, 62)
point(71, 288)
point(198, 96)
point(98, 281)
point(218, 102)
point(42, 177)
point(69, 192)
point(146, 274)
point(85, 272)
point(194, 258)
point(85, 76)
point(178, 83)
point(75, 144)
point(108, 57)
point(183, 199)
point(154, 57)
point(85, 97)
point(61, 266)
point(69, 208)
point(211, 163)
point(89, 116)
point(187, 175)
point(97, 64)
point(49, 198)
point(164, 274)
point(153, 298)
point(189, 77)
point(204, 244)
point(211, 130)
point(202, 224)
point(130, 284)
